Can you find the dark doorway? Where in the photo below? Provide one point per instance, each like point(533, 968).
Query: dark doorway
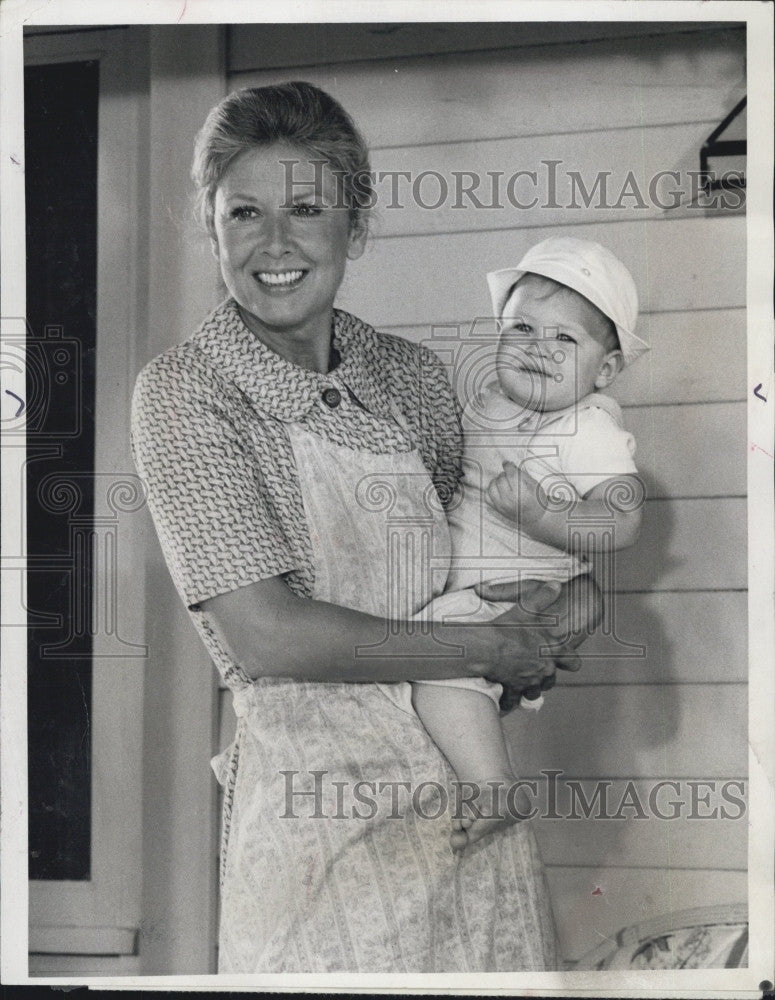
point(60, 103)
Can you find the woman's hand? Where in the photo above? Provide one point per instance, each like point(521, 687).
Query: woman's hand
point(558, 623)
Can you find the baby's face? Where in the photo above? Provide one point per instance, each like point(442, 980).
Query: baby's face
point(552, 349)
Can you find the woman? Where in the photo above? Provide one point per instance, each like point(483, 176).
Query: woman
point(294, 460)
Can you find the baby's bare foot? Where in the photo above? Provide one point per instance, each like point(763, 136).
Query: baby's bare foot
point(483, 806)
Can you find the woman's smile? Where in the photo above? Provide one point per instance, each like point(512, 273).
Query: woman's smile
point(280, 280)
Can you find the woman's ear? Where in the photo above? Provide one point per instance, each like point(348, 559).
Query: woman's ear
point(359, 231)
point(611, 365)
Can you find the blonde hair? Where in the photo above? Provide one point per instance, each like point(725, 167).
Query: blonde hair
point(295, 113)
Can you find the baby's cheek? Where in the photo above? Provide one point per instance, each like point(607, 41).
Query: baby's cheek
point(510, 354)
point(506, 371)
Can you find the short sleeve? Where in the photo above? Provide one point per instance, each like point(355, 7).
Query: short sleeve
point(206, 492)
point(441, 418)
point(597, 450)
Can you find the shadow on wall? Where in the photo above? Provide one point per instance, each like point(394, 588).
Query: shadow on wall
point(615, 718)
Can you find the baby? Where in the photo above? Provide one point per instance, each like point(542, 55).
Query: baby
point(542, 428)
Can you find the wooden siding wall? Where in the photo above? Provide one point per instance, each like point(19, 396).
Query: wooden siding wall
point(502, 99)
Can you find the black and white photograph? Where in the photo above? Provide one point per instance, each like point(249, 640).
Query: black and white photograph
point(338, 651)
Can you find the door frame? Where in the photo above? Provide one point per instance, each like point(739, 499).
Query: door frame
point(100, 916)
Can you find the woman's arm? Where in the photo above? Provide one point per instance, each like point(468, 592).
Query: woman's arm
point(270, 631)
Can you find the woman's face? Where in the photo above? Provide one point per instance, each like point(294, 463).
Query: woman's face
point(282, 237)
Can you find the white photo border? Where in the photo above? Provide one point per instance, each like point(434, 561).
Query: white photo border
point(14, 15)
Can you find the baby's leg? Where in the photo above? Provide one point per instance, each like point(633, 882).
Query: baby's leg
point(465, 725)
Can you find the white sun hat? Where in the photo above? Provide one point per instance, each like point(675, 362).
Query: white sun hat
point(589, 269)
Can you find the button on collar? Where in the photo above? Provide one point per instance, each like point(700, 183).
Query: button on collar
point(332, 397)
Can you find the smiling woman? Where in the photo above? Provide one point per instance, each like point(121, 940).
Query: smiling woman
point(298, 464)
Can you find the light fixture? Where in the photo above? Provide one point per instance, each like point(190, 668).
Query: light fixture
point(722, 155)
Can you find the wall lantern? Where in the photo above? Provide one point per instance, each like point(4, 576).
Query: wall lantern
point(722, 156)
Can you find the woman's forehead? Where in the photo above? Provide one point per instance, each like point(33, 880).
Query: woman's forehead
point(280, 167)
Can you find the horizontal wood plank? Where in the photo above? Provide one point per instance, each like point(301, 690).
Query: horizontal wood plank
point(629, 731)
point(556, 180)
point(697, 450)
point(255, 46)
point(685, 364)
point(700, 826)
point(686, 545)
point(681, 367)
point(674, 638)
point(434, 280)
point(592, 904)
point(526, 91)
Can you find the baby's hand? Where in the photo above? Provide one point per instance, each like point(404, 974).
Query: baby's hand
point(516, 495)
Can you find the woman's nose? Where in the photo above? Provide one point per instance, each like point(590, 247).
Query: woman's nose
point(275, 237)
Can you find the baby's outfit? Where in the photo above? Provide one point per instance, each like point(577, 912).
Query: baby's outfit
point(569, 451)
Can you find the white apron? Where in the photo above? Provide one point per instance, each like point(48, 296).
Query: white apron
point(336, 849)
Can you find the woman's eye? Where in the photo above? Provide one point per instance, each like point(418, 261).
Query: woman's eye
point(523, 327)
point(566, 338)
point(242, 212)
point(306, 210)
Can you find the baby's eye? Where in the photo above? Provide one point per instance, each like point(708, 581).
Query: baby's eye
point(242, 213)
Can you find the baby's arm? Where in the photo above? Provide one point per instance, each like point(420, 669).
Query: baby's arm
point(519, 497)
